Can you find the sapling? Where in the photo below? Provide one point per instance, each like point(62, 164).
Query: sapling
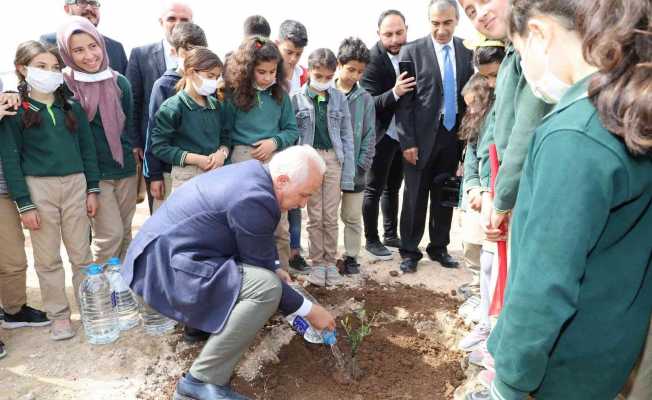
point(355, 336)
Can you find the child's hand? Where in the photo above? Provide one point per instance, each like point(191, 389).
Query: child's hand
point(218, 158)
point(475, 199)
point(264, 149)
point(11, 99)
point(203, 162)
point(31, 220)
point(157, 189)
point(92, 204)
point(5, 109)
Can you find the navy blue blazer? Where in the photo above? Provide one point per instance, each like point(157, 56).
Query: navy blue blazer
point(185, 260)
point(115, 50)
point(146, 65)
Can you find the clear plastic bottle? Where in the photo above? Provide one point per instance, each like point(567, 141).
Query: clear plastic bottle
point(121, 296)
point(303, 327)
point(97, 312)
point(154, 323)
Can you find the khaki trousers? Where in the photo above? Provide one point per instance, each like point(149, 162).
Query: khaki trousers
point(181, 175)
point(112, 223)
point(322, 213)
point(639, 386)
point(282, 234)
point(258, 301)
point(351, 214)
point(167, 181)
point(13, 260)
point(61, 204)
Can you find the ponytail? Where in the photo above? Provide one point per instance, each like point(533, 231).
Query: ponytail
point(69, 115)
point(30, 118)
point(617, 36)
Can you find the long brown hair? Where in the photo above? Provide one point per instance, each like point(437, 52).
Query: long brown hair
point(24, 55)
point(483, 97)
point(239, 77)
point(617, 38)
point(198, 59)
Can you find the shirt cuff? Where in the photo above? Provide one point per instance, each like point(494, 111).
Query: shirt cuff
point(396, 97)
point(92, 187)
point(305, 308)
point(25, 204)
point(182, 159)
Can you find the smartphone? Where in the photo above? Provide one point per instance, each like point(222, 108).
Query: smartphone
point(407, 66)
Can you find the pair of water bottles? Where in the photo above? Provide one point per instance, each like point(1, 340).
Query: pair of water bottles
point(303, 327)
point(108, 306)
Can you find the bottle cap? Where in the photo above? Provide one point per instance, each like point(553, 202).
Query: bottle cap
point(329, 337)
point(113, 261)
point(94, 269)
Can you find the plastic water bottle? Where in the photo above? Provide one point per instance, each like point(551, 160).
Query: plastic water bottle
point(98, 314)
point(303, 327)
point(121, 296)
point(154, 323)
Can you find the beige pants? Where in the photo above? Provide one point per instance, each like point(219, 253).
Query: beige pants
point(13, 260)
point(639, 386)
point(322, 213)
point(61, 204)
point(181, 175)
point(282, 234)
point(351, 211)
point(167, 181)
point(112, 223)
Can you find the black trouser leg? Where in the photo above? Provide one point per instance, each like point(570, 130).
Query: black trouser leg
point(377, 178)
point(389, 199)
point(150, 198)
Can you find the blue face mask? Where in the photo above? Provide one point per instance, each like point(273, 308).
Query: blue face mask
point(548, 88)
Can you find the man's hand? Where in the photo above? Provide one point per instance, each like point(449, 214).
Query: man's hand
point(5, 109)
point(404, 84)
point(92, 204)
point(139, 154)
point(12, 100)
point(263, 150)
point(475, 199)
point(157, 189)
point(320, 319)
point(411, 155)
point(283, 276)
point(31, 219)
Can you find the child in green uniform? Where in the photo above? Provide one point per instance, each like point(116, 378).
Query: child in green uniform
point(579, 296)
point(50, 164)
point(258, 113)
point(189, 133)
point(352, 59)
point(105, 96)
point(324, 121)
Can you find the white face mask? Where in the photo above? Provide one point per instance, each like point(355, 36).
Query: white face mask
point(322, 86)
point(263, 88)
point(42, 80)
point(208, 87)
point(548, 88)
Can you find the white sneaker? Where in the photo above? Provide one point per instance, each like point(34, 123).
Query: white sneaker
point(317, 276)
point(475, 338)
point(467, 308)
point(333, 276)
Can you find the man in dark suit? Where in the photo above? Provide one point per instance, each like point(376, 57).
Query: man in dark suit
point(427, 121)
point(90, 10)
point(209, 260)
point(381, 79)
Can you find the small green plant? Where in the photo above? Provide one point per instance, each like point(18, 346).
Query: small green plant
point(355, 335)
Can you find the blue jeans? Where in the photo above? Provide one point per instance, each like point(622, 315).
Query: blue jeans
point(294, 218)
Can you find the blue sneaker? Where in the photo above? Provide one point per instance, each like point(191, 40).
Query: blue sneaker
point(190, 388)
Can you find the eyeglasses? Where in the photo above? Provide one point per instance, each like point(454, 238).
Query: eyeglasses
point(87, 3)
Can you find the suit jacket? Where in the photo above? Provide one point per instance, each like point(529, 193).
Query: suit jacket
point(379, 79)
point(186, 259)
point(146, 65)
point(115, 50)
point(418, 113)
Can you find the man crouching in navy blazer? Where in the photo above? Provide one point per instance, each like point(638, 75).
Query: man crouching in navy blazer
point(207, 258)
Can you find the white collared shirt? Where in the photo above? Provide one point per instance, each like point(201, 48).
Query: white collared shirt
point(295, 82)
point(391, 129)
point(171, 61)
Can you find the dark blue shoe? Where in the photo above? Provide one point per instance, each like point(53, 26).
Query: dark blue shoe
point(409, 265)
point(190, 388)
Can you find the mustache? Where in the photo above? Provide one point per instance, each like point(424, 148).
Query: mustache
point(89, 13)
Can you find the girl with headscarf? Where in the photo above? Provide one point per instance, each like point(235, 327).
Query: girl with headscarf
point(105, 96)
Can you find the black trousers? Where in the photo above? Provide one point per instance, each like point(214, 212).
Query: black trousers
point(383, 184)
point(424, 184)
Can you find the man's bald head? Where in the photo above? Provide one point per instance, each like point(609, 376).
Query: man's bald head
point(172, 13)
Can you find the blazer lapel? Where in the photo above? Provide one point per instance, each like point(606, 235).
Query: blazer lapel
point(158, 58)
point(386, 61)
point(431, 59)
point(459, 66)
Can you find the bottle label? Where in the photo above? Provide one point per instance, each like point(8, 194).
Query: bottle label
point(114, 299)
point(300, 325)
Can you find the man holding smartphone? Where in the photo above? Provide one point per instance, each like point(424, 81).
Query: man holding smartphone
point(384, 82)
point(427, 121)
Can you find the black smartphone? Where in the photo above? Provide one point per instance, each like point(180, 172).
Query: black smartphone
point(407, 66)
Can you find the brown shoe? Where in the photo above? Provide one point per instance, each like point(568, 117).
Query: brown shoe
point(62, 329)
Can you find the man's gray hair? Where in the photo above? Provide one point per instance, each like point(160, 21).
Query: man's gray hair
point(297, 162)
point(442, 5)
point(167, 5)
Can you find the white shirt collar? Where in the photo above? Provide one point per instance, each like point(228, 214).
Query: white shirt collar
point(440, 47)
point(171, 61)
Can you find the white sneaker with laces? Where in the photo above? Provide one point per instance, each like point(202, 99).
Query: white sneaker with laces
point(317, 276)
point(476, 337)
point(333, 276)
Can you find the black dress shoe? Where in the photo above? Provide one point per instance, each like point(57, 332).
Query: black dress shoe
point(443, 258)
point(392, 242)
point(192, 335)
point(409, 266)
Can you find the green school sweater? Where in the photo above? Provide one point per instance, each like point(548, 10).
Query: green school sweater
point(267, 119)
point(47, 150)
point(579, 296)
point(109, 168)
point(517, 113)
point(322, 139)
point(183, 126)
point(472, 157)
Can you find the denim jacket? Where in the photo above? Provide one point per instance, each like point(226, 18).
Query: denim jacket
point(339, 128)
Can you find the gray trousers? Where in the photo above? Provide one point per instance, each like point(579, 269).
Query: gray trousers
point(258, 301)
